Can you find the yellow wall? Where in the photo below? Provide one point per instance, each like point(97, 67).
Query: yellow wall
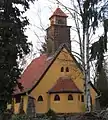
point(17, 105)
point(65, 105)
point(16, 108)
point(93, 95)
point(50, 78)
point(25, 99)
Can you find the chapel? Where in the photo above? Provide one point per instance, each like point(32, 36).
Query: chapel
point(53, 81)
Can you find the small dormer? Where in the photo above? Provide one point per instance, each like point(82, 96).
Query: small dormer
point(58, 18)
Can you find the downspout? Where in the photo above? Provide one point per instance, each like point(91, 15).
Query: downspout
point(48, 104)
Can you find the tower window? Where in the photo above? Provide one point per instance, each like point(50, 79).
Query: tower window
point(56, 98)
point(60, 21)
point(70, 97)
point(82, 98)
point(67, 69)
point(40, 98)
point(62, 69)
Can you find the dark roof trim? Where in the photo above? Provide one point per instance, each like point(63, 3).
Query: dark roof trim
point(58, 25)
point(64, 92)
point(58, 16)
point(95, 89)
point(21, 93)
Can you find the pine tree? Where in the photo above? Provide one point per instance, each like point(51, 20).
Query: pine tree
point(13, 46)
point(102, 86)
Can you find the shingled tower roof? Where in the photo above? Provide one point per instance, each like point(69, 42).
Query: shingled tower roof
point(58, 12)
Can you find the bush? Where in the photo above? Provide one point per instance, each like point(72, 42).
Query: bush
point(6, 115)
point(89, 116)
point(51, 114)
point(20, 117)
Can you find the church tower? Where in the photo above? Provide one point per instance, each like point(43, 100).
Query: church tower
point(59, 32)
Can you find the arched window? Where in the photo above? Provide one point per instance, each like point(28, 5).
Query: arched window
point(82, 98)
point(40, 98)
point(62, 69)
point(70, 97)
point(56, 98)
point(67, 69)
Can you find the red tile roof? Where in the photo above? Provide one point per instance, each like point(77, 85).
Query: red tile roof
point(33, 72)
point(58, 12)
point(64, 85)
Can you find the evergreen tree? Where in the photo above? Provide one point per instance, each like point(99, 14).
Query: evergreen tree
point(99, 47)
point(102, 82)
point(13, 46)
point(102, 86)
